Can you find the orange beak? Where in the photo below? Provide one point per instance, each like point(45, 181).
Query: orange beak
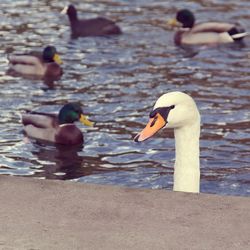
point(154, 124)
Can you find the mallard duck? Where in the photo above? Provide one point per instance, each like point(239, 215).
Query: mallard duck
point(99, 26)
point(190, 33)
point(46, 63)
point(56, 128)
point(178, 110)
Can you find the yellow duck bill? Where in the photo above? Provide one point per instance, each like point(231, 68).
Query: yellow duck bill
point(83, 119)
point(57, 59)
point(174, 23)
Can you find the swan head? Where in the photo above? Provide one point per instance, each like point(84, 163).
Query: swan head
point(171, 110)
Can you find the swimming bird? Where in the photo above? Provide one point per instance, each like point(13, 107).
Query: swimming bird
point(99, 26)
point(56, 128)
point(46, 63)
point(189, 33)
point(178, 110)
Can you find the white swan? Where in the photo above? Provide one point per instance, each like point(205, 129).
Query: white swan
point(178, 110)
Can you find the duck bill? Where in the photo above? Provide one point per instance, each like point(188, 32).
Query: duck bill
point(57, 59)
point(174, 23)
point(83, 119)
point(64, 11)
point(154, 125)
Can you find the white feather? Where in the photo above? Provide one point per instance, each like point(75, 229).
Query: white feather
point(240, 35)
point(185, 119)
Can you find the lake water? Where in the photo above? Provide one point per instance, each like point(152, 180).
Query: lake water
point(118, 79)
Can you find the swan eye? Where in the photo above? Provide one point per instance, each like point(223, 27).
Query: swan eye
point(164, 111)
point(153, 113)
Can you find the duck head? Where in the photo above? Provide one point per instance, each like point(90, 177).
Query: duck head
point(72, 112)
point(70, 11)
point(50, 55)
point(184, 18)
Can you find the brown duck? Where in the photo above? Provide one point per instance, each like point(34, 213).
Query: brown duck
point(56, 128)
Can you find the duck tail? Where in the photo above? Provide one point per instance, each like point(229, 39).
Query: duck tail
point(237, 33)
point(240, 36)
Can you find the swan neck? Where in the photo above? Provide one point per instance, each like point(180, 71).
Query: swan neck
point(187, 158)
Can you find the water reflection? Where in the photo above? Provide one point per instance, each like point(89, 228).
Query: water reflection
point(118, 80)
point(59, 162)
point(48, 80)
point(64, 162)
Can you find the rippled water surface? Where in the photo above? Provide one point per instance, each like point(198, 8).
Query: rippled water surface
point(118, 79)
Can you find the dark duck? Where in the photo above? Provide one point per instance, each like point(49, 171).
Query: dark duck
point(98, 26)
